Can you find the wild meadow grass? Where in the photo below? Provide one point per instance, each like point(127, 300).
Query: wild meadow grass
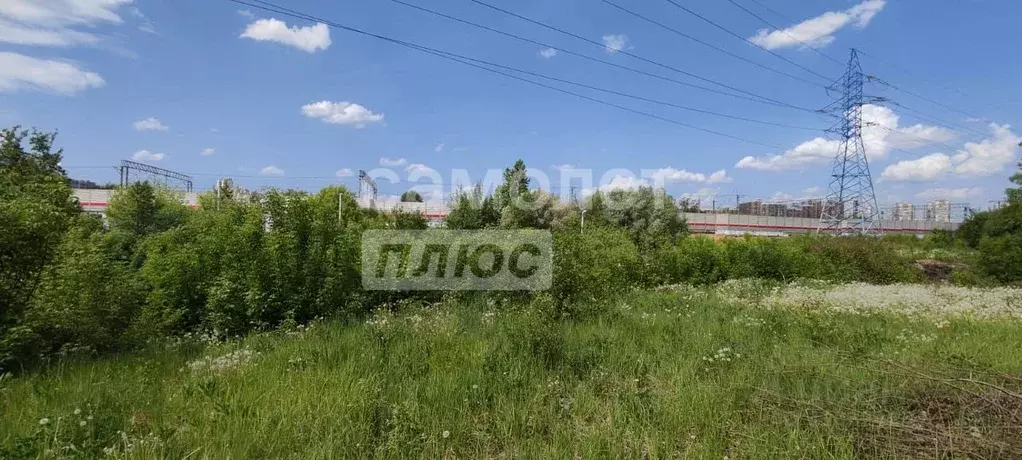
point(742, 370)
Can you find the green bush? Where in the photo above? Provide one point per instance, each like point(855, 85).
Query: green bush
point(699, 260)
point(593, 265)
point(84, 299)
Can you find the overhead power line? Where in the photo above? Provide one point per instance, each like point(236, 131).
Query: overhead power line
point(733, 34)
point(757, 98)
point(623, 52)
point(938, 120)
point(903, 69)
point(784, 31)
point(630, 96)
point(919, 96)
point(709, 45)
point(267, 6)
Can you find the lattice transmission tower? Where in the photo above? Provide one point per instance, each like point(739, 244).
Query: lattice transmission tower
point(851, 205)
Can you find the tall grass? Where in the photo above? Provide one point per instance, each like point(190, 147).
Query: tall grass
point(686, 373)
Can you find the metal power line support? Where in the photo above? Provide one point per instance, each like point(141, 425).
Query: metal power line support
point(851, 206)
point(366, 185)
point(128, 166)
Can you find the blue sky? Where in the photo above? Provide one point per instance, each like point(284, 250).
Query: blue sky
point(213, 88)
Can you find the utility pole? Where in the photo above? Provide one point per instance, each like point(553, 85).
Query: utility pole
point(851, 206)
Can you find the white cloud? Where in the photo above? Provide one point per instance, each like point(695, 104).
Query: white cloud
point(145, 155)
point(345, 172)
point(704, 193)
point(818, 31)
point(62, 12)
point(984, 158)
point(149, 124)
point(309, 39)
point(49, 22)
point(19, 73)
point(547, 53)
point(682, 175)
point(989, 156)
point(214, 130)
point(563, 167)
point(950, 193)
point(342, 113)
point(926, 168)
point(623, 182)
point(246, 14)
point(209, 151)
point(880, 134)
point(21, 34)
point(418, 168)
point(614, 43)
point(271, 170)
point(392, 162)
point(439, 147)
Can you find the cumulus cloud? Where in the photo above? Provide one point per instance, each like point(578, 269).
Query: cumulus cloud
point(681, 175)
point(926, 168)
point(345, 172)
point(309, 39)
point(207, 152)
point(614, 43)
point(342, 113)
point(271, 170)
point(975, 159)
point(963, 193)
point(547, 53)
point(418, 168)
point(439, 147)
point(246, 14)
point(145, 155)
point(50, 22)
point(989, 156)
point(392, 162)
point(149, 124)
point(819, 31)
point(24, 73)
point(880, 133)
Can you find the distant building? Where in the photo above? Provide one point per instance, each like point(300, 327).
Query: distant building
point(938, 211)
point(903, 211)
point(753, 208)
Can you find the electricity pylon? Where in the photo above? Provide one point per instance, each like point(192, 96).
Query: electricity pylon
point(851, 205)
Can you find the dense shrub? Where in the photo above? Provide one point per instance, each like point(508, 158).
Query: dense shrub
point(36, 208)
point(593, 265)
point(84, 300)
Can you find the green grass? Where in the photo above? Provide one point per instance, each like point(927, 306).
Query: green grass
point(477, 378)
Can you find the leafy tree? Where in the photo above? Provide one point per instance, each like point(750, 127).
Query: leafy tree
point(141, 209)
point(1014, 194)
point(410, 221)
point(411, 196)
point(85, 300)
point(36, 208)
point(650, 216)
point(471, 210)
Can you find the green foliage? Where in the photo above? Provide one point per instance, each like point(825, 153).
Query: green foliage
point(471, 210)
point(650, 216)
point(411, 196)
point(998, 234)
point(593, 265)
point(36, 208)
point(410, 221)
point(85, 300)
point(972, 229)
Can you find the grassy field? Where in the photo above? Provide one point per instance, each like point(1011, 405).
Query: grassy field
point(741, 370)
